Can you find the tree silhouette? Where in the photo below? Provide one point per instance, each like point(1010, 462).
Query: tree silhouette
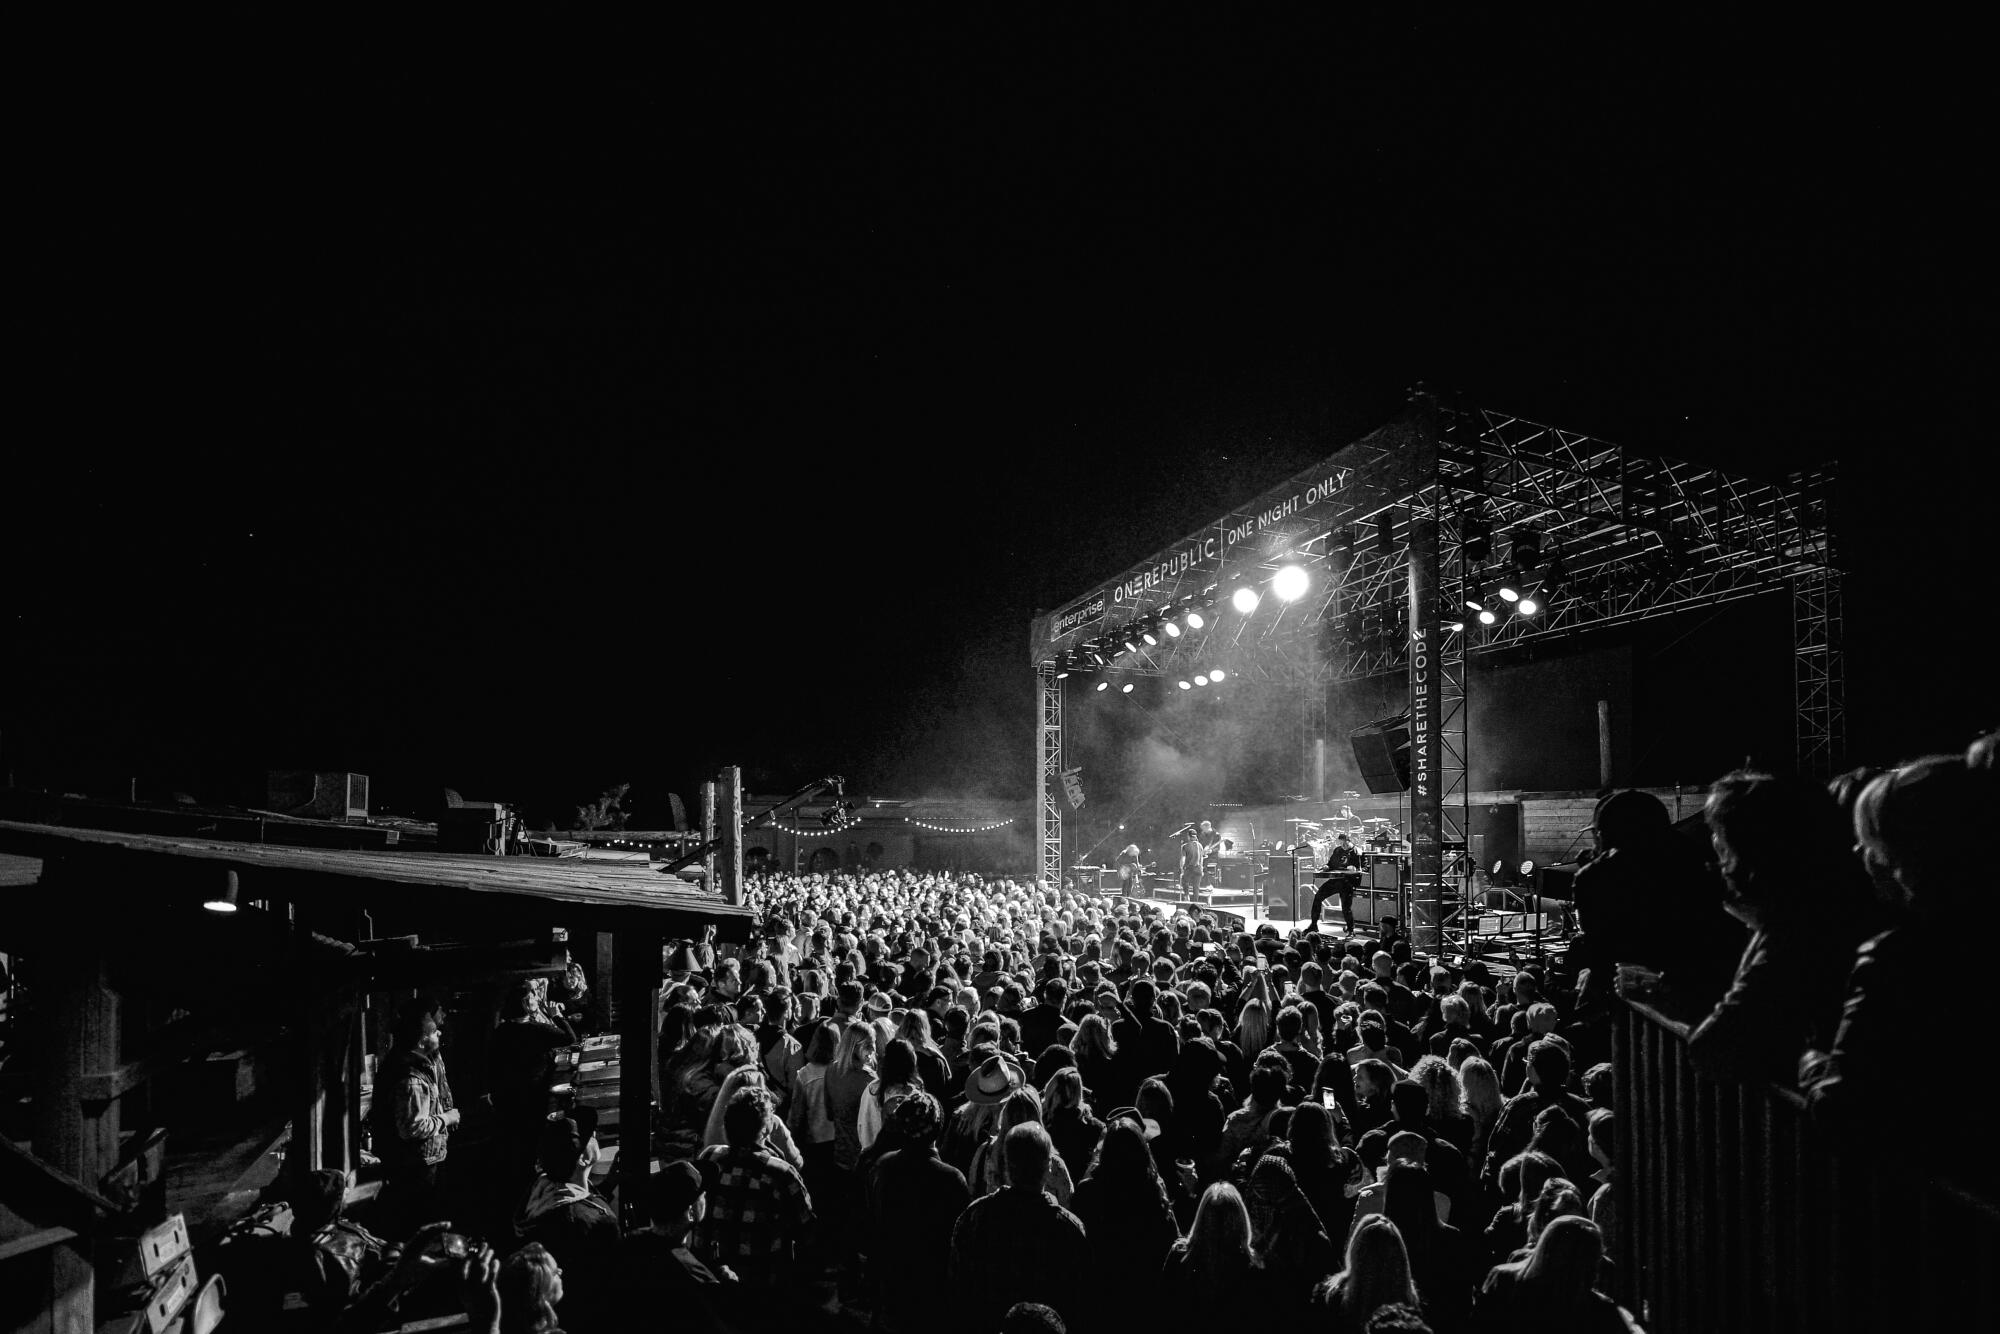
point(606, 812)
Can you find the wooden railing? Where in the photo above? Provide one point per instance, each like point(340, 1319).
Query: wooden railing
point(1738, 1213)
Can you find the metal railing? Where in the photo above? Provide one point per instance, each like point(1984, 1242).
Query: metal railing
point(1736, 1212)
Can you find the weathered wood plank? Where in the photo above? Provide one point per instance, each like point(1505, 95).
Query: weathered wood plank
point(601, 894)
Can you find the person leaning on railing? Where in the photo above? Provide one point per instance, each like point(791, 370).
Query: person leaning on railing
point(1788, 874)
point(1922, 829)
point(1649, 899)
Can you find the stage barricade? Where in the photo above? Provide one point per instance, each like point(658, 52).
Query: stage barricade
point(1736, 1212)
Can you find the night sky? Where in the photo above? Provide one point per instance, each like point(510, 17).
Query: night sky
point(534, 424)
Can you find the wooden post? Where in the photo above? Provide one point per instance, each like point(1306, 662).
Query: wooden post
point(729, 817)
point(637, 969)
point(80, 1015)
point(79, 1034)
point(1604, 743)
point(708, 816)
point(305, 1152)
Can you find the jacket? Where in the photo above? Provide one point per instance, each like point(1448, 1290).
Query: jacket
point(421, 1096)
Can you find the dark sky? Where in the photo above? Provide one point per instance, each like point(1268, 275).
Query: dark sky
point(530, 424)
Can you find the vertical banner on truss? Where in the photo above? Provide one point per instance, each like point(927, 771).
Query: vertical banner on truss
point(1426, 744)
point(1050, 779)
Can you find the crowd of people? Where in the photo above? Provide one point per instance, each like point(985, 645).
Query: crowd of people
point(993, 1104)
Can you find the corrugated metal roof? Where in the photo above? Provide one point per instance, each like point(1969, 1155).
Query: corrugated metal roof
point(600, 894)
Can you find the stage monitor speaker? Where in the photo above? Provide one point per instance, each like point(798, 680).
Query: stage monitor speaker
point(1237, 872)
point(1382, 753)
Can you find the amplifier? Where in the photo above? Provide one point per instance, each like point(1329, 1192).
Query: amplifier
point(1238, 872)
point(1385, 872)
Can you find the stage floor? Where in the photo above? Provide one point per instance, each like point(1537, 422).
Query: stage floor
point(1502, 950)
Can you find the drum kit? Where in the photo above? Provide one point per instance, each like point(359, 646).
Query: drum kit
point(1361, 832)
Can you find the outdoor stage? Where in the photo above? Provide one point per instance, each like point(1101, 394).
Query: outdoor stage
point(1502, 939)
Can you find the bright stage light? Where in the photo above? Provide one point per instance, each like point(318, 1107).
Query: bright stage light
point(1527, 606)
point(1453, 622)
point(1125, 689)
point(1173, 628)
point(1244, 600)
point(1486, 617)
point(1104, 685)
point(1201, 680)
point(1289, 583)
point(1215, 675)
point(1195, 622)
point(1184, 685)
point(1152, 640)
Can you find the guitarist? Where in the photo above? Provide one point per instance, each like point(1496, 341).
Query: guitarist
point(1130, 868)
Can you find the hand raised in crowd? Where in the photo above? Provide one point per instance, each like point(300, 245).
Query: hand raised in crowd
point(479, 1285)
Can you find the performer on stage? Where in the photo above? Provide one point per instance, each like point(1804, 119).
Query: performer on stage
point(1191, 861)
point(1130, 867)
point(1211, 850)
point(1343, 877)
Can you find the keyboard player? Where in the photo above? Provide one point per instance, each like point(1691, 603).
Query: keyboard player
point(1342, 876)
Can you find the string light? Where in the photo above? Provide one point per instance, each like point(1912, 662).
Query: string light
point(957, 829)
point(834, 828)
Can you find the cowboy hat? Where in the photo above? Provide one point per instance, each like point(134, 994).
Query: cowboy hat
point(993, 1080)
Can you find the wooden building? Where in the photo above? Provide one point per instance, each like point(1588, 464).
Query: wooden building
point(175, 1058)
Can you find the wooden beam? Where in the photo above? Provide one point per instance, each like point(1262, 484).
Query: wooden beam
point(34, 1241)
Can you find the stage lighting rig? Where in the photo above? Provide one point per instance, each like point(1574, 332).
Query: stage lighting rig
point(1525, 547)
point(1340, 550)
point(1385, 534)
point(1478, 539)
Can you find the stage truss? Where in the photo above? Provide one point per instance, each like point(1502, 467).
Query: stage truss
point(1624, 536)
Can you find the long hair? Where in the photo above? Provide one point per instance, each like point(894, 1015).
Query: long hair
point(1442, 1083)
point(857, 1048)
point(823, 1044)
point(530, 1285)
point(1218, 1240)
point(895, 1072)
point(1558, 1198)
point(1481, 1088)
point(1155, 1101)
point(1409, 1201)
point(1312, 1136)
point(1253, 1028)
point(1064, 1089)
point(916, 1030)
point(1377, 1271)
point(1093, 1035)
point(1563, 1265)
point(1122, 1164)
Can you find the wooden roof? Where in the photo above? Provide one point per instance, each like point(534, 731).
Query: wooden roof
point(595, 895)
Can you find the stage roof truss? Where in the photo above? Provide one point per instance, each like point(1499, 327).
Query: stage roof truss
point(1638, 536)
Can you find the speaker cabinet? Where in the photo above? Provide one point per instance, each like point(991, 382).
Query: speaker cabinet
point(1382, 753)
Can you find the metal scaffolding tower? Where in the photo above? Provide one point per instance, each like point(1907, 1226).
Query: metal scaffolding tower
point(1607, 535)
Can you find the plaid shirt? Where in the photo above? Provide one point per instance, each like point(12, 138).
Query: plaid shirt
point(758, 1205)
